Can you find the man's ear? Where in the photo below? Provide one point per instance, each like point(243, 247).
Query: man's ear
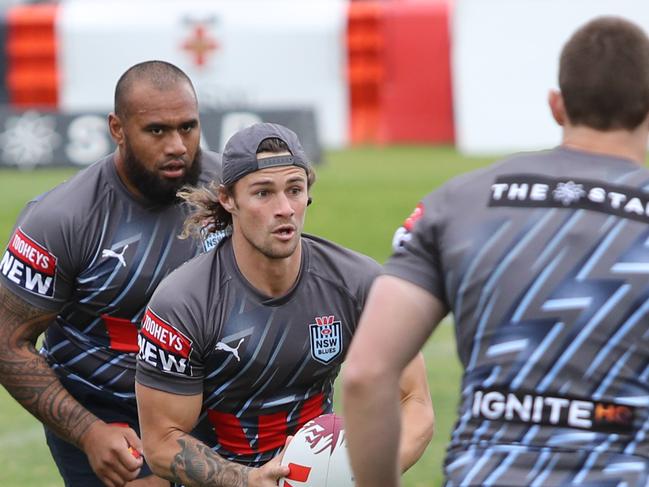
point(557, 107)
point(227, 200)
point(116, 128)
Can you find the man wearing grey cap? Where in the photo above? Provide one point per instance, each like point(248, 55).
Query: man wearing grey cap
point(241, 346)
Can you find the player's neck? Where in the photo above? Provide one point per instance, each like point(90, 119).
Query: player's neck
point(272, 277)
point(624, 144)
point(123, 176)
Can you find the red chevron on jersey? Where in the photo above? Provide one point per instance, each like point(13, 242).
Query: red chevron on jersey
point(270, 430)
point(158, 331)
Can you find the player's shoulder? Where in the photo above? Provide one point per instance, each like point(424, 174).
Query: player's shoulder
point(522, 161)
point(211, 166)
point(190, 280)
point(467, 187)
point(190, 271)
point(338, 263)
point(72, 199)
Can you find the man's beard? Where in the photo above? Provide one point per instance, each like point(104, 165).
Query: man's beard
point(154, 188)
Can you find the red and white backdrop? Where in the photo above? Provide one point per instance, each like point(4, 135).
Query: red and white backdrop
point(473, 73)
point(251, 53)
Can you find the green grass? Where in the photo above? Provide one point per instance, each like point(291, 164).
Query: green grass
point(361, 196)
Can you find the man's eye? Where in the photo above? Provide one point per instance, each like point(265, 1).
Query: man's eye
point(186, 128)
point(156, 131)
point(261, 194)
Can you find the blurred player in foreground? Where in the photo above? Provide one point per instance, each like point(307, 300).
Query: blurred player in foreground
point(82, 263)
point(544, 261)
point(247, 340)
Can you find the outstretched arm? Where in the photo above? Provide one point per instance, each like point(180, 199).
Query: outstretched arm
point(397, 319)
point(28, 378)
point(417, 416)
point(172, 453)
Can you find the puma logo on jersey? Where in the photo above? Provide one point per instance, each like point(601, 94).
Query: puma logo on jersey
point(227, 348)
point(108, 253)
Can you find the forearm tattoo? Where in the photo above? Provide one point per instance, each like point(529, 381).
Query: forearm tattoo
point(196, 465)
point(27, 376)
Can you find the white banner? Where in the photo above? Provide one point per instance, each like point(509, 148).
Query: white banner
point(239, 53)
point(505, 61)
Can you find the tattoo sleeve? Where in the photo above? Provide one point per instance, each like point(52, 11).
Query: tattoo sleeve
point(196, 465)
point(27, 376)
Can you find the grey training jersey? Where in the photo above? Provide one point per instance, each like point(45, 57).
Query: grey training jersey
point(544, 261)
point(92, 250)
point(265, 366)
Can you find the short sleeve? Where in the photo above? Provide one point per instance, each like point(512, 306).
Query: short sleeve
point(416, 247)
point(170, 357)
point(38, 263)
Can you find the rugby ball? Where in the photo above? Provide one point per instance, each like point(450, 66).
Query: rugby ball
point(317, 455)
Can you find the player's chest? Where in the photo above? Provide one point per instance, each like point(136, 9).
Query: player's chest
point(304, 337)
point(132, 256)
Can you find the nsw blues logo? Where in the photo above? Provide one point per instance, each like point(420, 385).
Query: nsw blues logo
point(326, 339)
point(212, 238)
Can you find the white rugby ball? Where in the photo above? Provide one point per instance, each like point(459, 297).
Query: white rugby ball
point(317, 455)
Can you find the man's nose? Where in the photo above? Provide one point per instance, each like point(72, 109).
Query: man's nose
point(284, 205)
point(175, 144)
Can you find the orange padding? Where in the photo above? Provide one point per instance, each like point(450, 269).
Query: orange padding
point(365, 68)
point(399, 71)
point(32, 71)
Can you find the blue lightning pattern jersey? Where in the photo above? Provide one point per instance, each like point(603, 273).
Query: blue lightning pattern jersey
point(92, 251)
point(264, 366)
point(543, 260)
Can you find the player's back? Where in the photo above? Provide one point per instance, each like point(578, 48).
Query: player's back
point(545, 265)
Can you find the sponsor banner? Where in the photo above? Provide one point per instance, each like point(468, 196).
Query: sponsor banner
point(549, 410)
point(233, 58)
point(32, 139)
point(326, 339)
point(29, 265)
point(542, 192)
point(162, 346)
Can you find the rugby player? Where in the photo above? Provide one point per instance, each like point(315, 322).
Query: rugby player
point(242, 344)
point(83, 261)
point(543, 259)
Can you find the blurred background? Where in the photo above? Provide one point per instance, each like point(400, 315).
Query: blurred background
point(392, 97)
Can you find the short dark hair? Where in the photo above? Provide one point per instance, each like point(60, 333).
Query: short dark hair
point(604, 75)
point(161, 74)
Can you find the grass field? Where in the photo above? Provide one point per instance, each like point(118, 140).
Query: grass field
point(361, 196)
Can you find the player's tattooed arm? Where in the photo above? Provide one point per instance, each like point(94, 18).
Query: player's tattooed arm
point(27, 376)
point(197, 465)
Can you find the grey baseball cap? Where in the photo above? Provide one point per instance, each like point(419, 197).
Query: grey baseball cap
point(240, 154)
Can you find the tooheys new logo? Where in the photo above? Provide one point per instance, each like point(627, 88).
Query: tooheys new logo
point(29, 265)
point(162, 346)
